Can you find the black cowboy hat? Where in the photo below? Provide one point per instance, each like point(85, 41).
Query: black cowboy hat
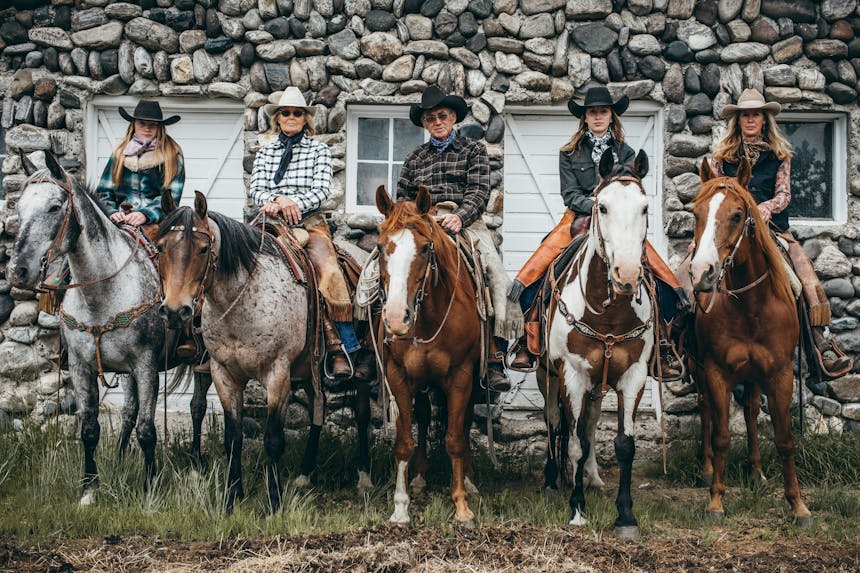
point(148, 110)
point(598, 96)
point(432, 98)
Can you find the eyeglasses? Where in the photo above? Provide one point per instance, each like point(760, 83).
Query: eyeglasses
point(431, 118)
point(294, 113)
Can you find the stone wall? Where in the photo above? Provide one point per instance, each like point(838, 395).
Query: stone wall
point(691, 57)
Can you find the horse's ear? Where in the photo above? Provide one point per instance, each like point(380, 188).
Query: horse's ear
point(744, 172)
point(200, 205)
point(640, 164)
point(168, 205)
point(53, 166)
point(423, 201)
point(383, 200)
point(705, 172)
point(29, 166)
point(607, 160)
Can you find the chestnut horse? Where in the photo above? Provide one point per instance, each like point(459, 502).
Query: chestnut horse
point(430, 334)
point(601, 334)
point(746, 329)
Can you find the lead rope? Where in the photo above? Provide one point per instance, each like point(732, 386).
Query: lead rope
point(164, 447)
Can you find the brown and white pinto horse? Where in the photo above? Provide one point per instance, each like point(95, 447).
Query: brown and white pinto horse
point(601, 333)
point(746, 329)
point(430, 334)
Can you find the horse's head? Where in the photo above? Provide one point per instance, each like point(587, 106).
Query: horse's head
point(724, 211)
point(620, 220)
point(48, 223)
point(406, 255)
point(187, 245)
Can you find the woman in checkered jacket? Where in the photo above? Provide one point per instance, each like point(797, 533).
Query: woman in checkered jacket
point(291, 179)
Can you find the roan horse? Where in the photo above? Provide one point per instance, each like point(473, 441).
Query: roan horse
point(430, 333)
point(254, 321)
point(109, 320)
point(746, 329)
point(601, 334)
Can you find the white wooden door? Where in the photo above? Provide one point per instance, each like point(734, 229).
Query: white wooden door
point(210, 134)
point(533, 203)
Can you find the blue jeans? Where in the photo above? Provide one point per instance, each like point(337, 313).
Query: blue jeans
point(346, 331)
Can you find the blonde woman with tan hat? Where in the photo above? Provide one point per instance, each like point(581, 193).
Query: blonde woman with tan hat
point(753, 133)
point(291, 178)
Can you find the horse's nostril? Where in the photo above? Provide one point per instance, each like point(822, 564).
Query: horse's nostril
point(162, 311)
point(185, 313)
point(407, 316)
point(711, 271)
point(21, 272)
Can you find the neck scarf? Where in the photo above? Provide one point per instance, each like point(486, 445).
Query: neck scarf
point(442, 144)
point(600, 144)
point(287, 156)
point(753, 149)
point(138, 146)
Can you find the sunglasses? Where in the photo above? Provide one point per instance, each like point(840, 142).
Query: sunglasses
point(431, 118)
point(294, 113)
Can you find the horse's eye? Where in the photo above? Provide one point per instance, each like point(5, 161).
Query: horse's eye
point(602, 209)
point(54, 209)
point(425, 248)
point(736, 218)
point(203, 250)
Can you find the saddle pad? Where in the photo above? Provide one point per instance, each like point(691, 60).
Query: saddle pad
point(560, 263)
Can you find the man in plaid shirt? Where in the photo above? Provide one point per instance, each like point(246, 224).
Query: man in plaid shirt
point(457, 169)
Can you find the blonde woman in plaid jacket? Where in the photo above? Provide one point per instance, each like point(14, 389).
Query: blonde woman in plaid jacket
point(292, 178)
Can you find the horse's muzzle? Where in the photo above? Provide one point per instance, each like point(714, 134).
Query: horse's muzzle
point(395, 325)
point(706, 279)
point(625, 285)
point(176, 318)
point(20, 276)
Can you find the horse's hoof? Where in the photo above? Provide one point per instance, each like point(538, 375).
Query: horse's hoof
point(715, 515)
point(302, 482)
point(804, 521)
point(365, 484)
point(399, 520)
point(418, 485)
point(88, 498)
point(627, 532)
point(578, 520)
point(468, 524)
point(596, 484)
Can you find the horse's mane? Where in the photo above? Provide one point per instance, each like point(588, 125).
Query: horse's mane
point(760, 230)
point(240, 243)
point(405, 215)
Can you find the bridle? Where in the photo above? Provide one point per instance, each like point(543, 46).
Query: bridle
point(205, 278)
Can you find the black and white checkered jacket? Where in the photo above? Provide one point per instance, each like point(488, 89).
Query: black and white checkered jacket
point(307, 180)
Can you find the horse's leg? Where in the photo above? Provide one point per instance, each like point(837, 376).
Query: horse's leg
point(130, 407)
point(468, 470)
point(146, 378)
point(779, 402)
point(87, 392)
point(576, 384)
point(230, 393)
point(719, 396)
point(552, 418)
point(626, 524)
point(361, 406)
point(459, 390)
point(277, 384)
point(706, 473)
point(591, 470)
point(403, 443)
point(420, 464)
point(312, 446)
point(202, 383)
point(752, 405)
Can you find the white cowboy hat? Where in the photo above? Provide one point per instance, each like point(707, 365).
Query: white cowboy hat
point(290, 97)
point(750, 100)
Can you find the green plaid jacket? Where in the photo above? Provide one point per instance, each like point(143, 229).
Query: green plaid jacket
point(140, 188)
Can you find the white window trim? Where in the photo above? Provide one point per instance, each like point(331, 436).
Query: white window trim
point(839, 175)
point(354, 112)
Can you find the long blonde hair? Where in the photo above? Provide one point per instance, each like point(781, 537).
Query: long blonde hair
point(729, 147)
point(166, 146)
point(614, 127)
point(275, 129)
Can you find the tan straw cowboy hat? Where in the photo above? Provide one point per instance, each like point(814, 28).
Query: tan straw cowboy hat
point(290, 97)
point(751, 100)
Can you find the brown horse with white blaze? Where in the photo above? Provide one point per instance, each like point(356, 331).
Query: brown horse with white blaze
point(746, 328)
point(430, 334)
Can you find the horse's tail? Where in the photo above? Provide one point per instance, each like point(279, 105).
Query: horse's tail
point(180, 379)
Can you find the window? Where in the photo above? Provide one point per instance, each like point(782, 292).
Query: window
point(819, 193)
point(378, 140)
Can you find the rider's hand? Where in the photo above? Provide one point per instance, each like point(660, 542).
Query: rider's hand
point(118, 217)
point(135, 219)
point(290, 209)
point(765, 213)
point(451, 223)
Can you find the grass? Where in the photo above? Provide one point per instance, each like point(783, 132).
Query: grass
point(41, 471)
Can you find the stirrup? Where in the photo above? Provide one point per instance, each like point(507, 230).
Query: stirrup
point(819, 355)
point(674, 351)
point(508, 362)
point(327, 373)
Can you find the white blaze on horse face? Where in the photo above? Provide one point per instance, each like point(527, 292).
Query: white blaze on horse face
point(707, 257)
point(623, 228)
point(395, 311)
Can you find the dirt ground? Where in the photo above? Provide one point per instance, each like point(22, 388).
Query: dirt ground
point(517, 547)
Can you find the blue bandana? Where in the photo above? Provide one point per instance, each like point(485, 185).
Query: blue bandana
point(442, 144)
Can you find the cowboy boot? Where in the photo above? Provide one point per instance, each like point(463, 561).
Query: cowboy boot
point(497, 380)
point(340, 367)
point(833, 362)
point(523, 359)
point(670, 367)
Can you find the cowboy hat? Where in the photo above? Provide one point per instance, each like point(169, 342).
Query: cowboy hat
point(598, 96)
point(433, 98)
point(148, 110)
point(290, 97)
point(751, 100)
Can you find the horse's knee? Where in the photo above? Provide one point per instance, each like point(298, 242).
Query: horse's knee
point(721, 441)
point(274, 441)
point(90, 431)
point(455, 445)
point(146, 435)
point(403, 449)
point(625, 448)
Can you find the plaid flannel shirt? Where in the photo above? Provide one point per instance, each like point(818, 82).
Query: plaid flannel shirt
point(307, 180)
point(460, 174)
point(142, 188)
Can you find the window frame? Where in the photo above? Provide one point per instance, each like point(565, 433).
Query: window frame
point(839, 175)
point(354, 113)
